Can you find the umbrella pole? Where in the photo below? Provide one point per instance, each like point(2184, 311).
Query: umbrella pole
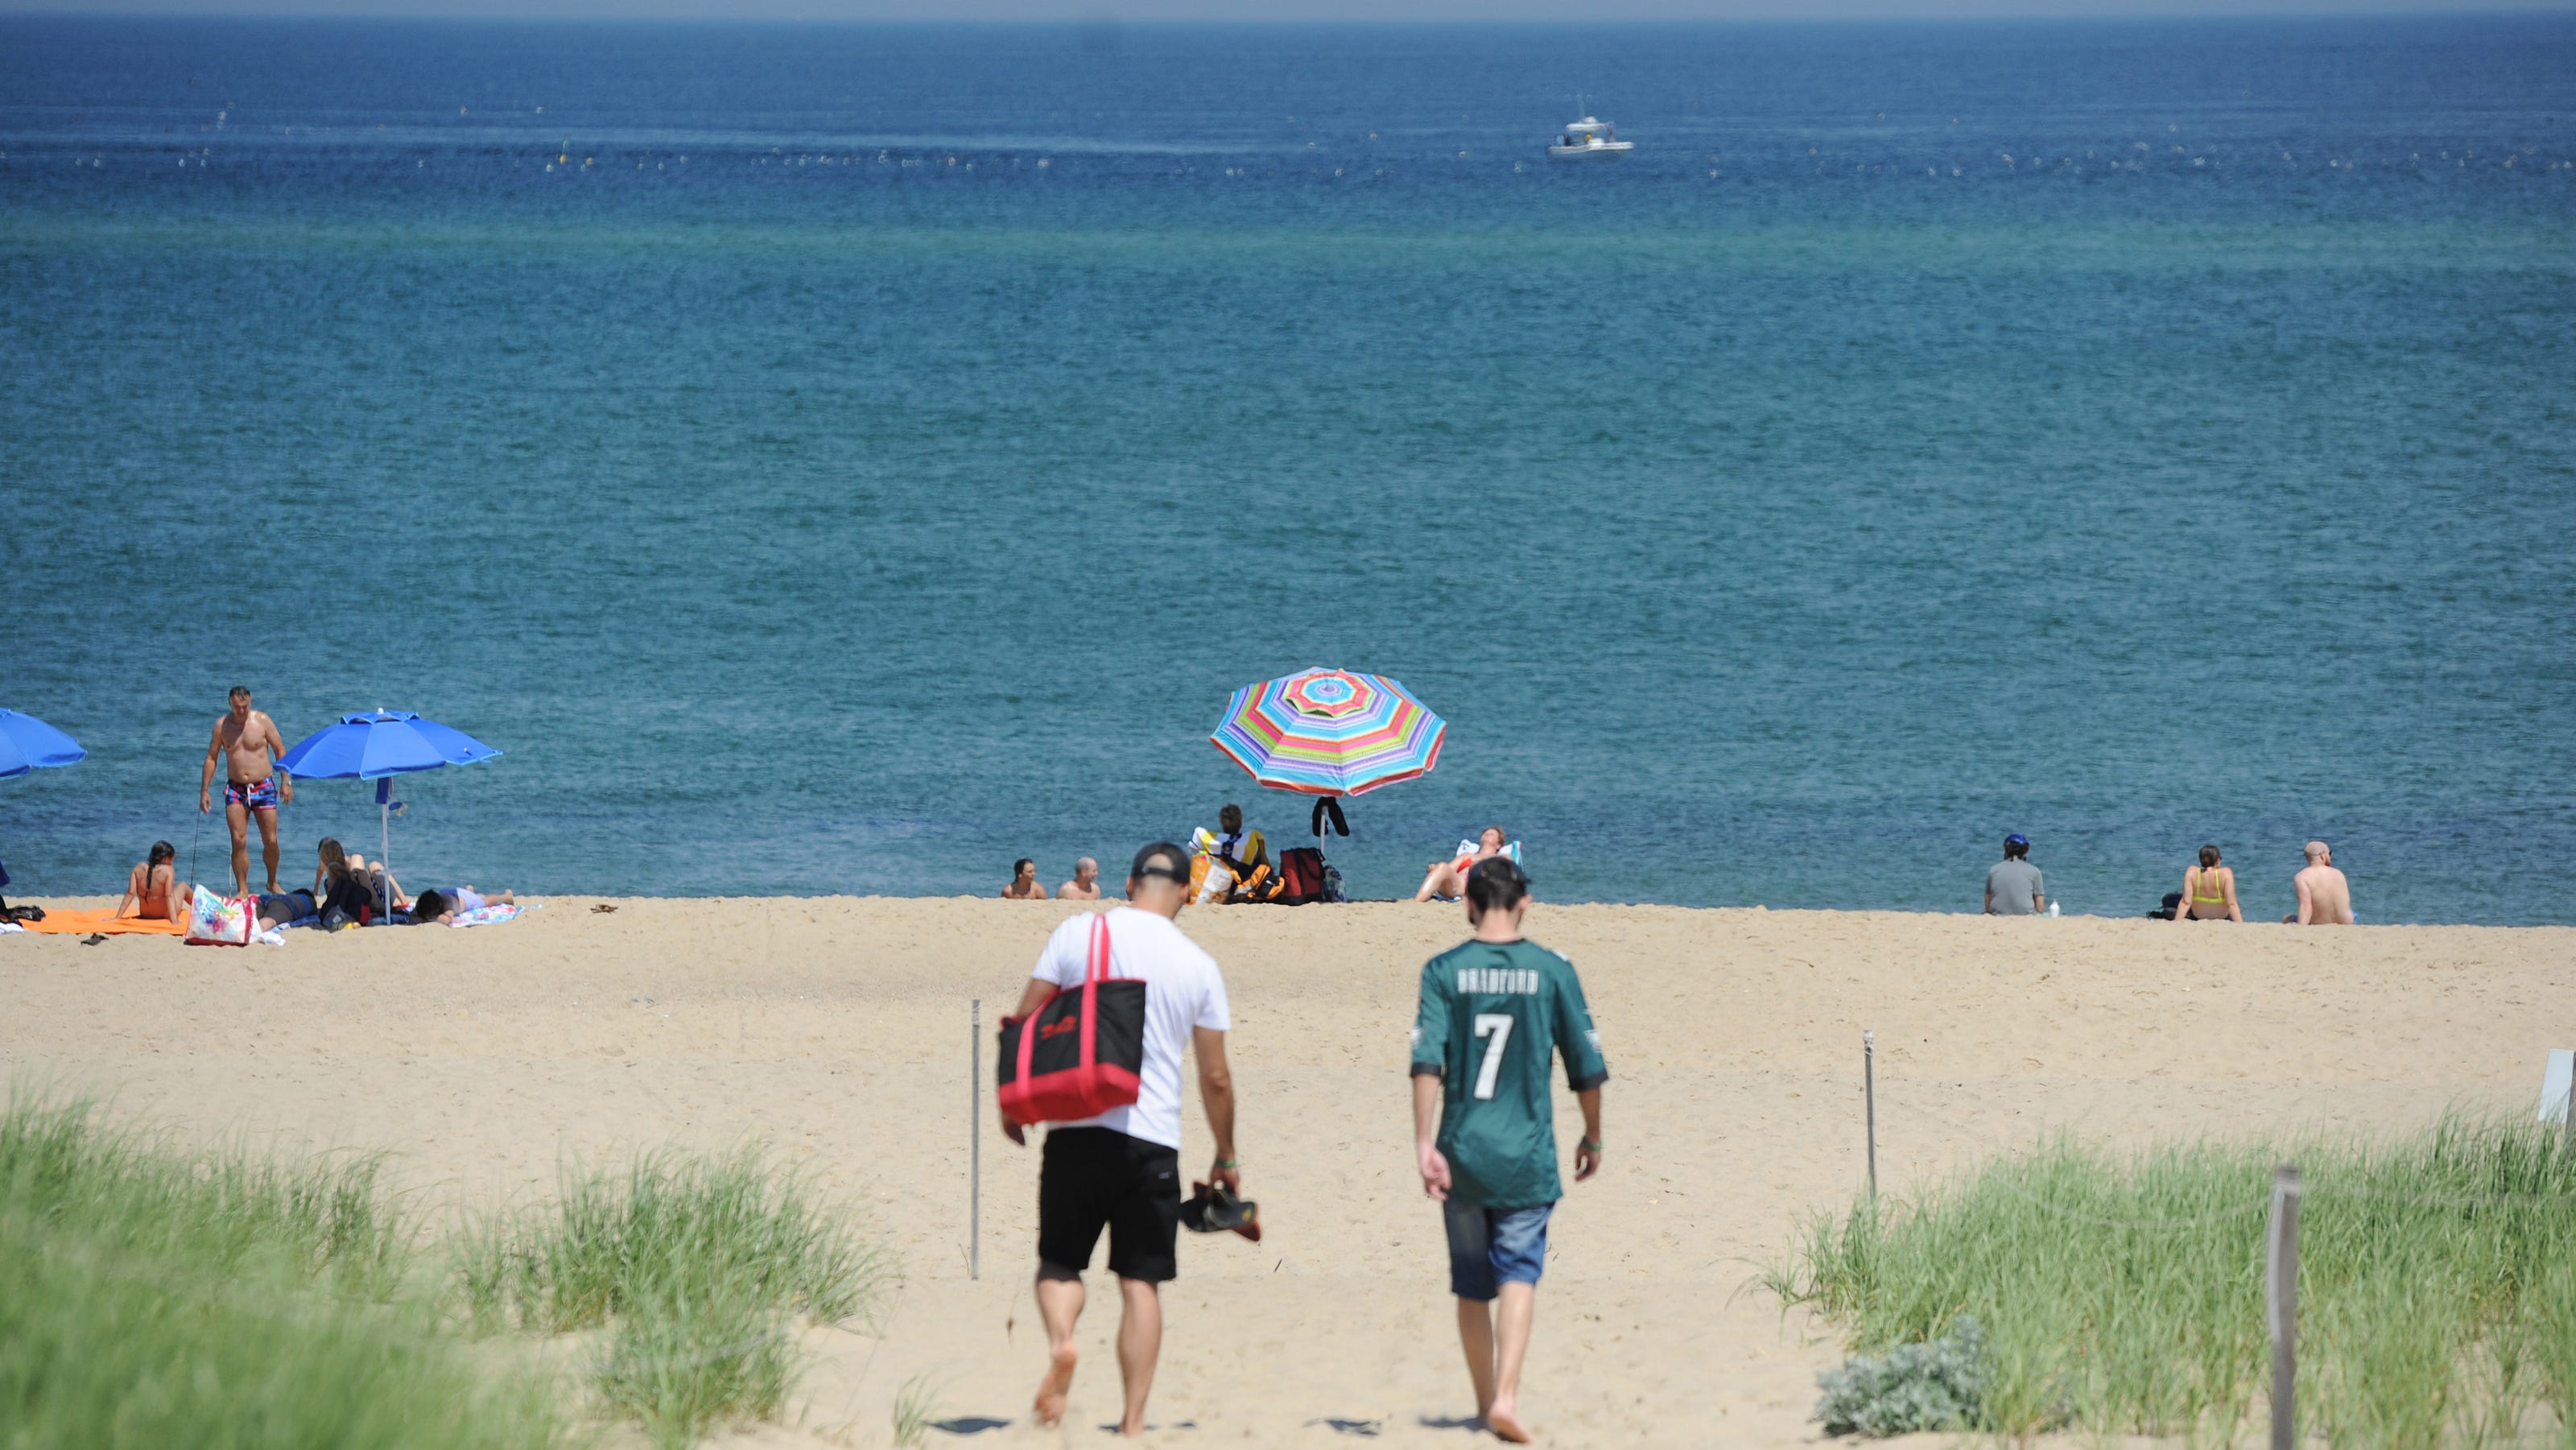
point(385, 841)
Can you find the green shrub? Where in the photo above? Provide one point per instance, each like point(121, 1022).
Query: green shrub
point(1935, 1385)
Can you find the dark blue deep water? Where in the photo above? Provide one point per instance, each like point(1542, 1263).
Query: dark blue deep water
point(844, 459)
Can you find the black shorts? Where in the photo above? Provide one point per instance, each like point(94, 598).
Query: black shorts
point(1095, 1176)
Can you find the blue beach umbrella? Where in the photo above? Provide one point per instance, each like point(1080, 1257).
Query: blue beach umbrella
point(379, 747)
point(27, 743)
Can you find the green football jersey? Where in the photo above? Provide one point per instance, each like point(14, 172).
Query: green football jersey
point(1492, 1015)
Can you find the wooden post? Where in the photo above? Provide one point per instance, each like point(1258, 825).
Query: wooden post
point(1869, 1103)
point(975, 1132)
point(2281, 1304)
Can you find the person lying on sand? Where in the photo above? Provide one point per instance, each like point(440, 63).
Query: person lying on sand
point(152, 888)
point(1494, 1010)
point(1024, 882)
point(342, 891)
point(2208, 891)
point(276, 911)
point(1448, 879)
point(2325, 898)
point(1085, 885)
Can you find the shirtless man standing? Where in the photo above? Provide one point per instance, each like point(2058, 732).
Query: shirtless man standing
point(2325, 898)
point(1085, 885)
point(246, 740)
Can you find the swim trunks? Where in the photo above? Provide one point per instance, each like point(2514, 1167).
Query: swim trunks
point(258, 795)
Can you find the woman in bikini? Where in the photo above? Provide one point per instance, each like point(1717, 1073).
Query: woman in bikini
point(153, 887)
point(2209, 891)
point(1449, 878)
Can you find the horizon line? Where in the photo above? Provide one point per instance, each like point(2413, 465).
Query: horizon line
point(765, 13)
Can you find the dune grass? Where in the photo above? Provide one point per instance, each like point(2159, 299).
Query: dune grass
point(2437, 1284)
point(700, 1270)
point(150, 1297)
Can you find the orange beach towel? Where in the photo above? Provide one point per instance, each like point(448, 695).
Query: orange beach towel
point(82, 923)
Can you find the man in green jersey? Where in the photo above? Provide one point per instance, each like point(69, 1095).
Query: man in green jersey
point(1494, 1009)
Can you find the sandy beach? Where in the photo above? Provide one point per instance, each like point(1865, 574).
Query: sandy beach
point(836, 1030)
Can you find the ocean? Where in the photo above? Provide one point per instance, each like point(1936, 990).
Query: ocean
point(848, 458)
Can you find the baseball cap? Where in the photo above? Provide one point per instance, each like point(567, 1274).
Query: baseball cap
point(1175, 865)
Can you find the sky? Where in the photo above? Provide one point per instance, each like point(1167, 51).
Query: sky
point(1260, 10)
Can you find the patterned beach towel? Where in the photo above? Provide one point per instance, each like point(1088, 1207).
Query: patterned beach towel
point(492, 915)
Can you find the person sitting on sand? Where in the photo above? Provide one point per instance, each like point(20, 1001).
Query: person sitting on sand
point(1024, 882)
point(1246, 854)
point(2208, 891)
point(1447, 880)
point(2013, 885)
point(2325, 898)
point(1085, 885)
point(152, 888)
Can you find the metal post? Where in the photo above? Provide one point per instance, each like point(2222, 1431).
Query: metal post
point(1869, 1100)
point(2281, 1304)
point(975, 1158)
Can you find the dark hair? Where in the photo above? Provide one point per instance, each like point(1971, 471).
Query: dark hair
point(427, 906)
point(2208, 857)
point(1177, 871)
point(2016, 850)
point(1019, 866)
point(239, 692)
point(161, 851)
point(1494, 882)
point(1231, 818)
point(1497, 830)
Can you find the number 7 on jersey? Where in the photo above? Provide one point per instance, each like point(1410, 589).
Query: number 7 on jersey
point(1498, 1026)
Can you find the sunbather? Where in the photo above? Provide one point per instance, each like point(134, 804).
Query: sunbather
point(152, 888)
point(1447, 880)
point(347, 890)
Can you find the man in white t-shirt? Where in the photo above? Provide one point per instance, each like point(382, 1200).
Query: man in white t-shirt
point(1122, 1169)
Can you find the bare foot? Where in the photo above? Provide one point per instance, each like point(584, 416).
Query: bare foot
point(1506, 1425)
point(1049, 1406)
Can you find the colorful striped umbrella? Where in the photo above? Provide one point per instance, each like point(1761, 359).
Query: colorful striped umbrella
point(1329, 732)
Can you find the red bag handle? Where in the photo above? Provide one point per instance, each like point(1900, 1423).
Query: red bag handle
point(1091, 981)
point(1098, 971)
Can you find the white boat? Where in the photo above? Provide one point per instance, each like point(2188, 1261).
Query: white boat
point(1589, 137)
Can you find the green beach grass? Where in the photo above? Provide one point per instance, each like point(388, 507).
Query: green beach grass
point(153, 1296)
point(2124, 1294)
point(700, 1270)
point(150, 1297)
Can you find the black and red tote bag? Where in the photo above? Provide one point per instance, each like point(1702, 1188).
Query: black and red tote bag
point(1081, 1053)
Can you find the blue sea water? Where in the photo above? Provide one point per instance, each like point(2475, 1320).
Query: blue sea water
point(848, 458)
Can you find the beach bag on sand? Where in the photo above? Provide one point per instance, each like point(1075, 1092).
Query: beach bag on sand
point(222, 921)
point(1301, 876)
point(1080, 1054)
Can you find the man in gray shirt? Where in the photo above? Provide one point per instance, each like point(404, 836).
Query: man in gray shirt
point(2013, 887)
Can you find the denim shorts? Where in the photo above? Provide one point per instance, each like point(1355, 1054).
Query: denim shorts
point(1489, 1247)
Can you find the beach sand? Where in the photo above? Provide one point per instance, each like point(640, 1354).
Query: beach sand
point(836, 1031)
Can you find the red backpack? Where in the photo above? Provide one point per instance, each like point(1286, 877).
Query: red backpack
point(1081, 1053)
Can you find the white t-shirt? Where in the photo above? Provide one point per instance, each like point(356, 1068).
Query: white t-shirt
point(1182, 991)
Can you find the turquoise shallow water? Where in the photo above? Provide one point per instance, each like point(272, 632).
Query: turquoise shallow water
point(2135, 435)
